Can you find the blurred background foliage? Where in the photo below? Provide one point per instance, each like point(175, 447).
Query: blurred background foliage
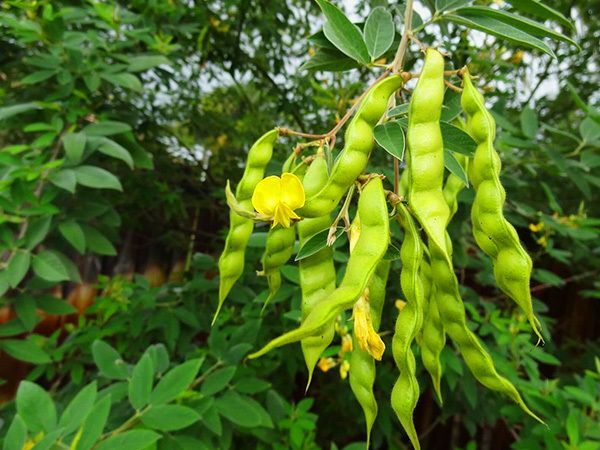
point(120, 123)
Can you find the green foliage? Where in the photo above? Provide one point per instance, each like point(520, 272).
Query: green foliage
point(127, 118)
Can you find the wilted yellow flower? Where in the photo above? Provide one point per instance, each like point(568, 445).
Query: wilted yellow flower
point(344, 369)
point(354, 232)
point(367, 337)
point(277, 198)
point(400, 304)
point(346, 344)
point(325, 364)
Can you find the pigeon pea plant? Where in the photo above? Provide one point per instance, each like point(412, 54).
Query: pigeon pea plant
point(462, 141)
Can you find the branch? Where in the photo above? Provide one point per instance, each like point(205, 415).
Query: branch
point(401, 52)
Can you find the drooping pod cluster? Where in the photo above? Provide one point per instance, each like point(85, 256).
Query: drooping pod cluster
point(424, 207)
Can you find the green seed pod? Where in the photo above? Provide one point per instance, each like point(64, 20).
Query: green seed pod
point(369, 250)
point(278, 250)
point(362, 364)
point(317, 272)
point(231, 262)
point(359, 142)
point(405, 393)
point(492, 232)
point(426, 163)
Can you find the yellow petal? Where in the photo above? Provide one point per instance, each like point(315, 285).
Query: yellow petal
point(292, 191)
point(367, 337)
point(266, 195)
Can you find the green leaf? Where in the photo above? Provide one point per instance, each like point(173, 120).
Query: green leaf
point(78, 408)
point(64, 179)
point(529, 123)
point(49, 266)
point(124, 80)
point(38, 77)
point(169, 417)
point(390, 136)
point(25, 350)
point(106, 128)
point(392, 253)
point(236, 409)
point(74, 235)
point(175, 382)
point(48, 441)
point(217, 381)
point(96, 177)
point(329, 60)
point(97, 242)
point(109, 361)
point(53, 305)
point(37, 231)
point(129, 440)
point(519, 22)
point(456, 140)
point(500, 29)
point(35, 407)
point(145, 62)
point(455, 167)
point(250, 385)
point(111, 148)
point(94, 424)
point(449, 5)
point(74, 144)
point(13, 110)
point(140, 384)
point(379, 32)
point(16, 435)
point(26, 312)
point(343, 34)
point(589, 130)
point(400, 110)
point(316, 243)
point(17, 267)
point(539, 9)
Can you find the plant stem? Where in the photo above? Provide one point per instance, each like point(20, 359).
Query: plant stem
point(401, 52)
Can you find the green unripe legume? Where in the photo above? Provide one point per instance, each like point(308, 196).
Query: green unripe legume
point(369, 250)
point(231, 262)
point(362, 364)
point(492, 232)
point(405, 393)
point(317, 272)
point(359, 142)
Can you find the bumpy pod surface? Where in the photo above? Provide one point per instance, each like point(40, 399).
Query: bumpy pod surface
point(362, 364)
point(426, 150)
point(428, 203)
point(492, 232)
point(317, 272)
point(452, 311)
point(278, 250)
point(433, 335)
point(405, 393)
point(359, 142)
point(370, 248)
point(231, 262)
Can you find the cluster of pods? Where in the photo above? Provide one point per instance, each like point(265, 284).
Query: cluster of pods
point(423, 208)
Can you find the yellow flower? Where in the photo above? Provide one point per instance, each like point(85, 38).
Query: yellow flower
point(346, 344)
point(400, 304)
point(326, 364)
point(536, 227)
point(344, 369)
point(277, 198)
point(367, 337)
